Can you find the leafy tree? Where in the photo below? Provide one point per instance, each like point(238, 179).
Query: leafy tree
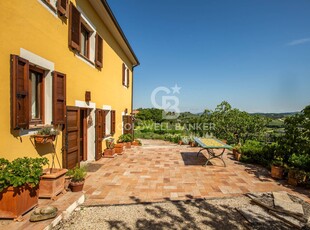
point(296, 140)
point(234, 125)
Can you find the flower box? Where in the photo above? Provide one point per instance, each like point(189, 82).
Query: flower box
point(43, 139)
point(16, 201)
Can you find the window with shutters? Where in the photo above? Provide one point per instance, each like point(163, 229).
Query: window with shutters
point(125, 75)
point(60, 6)
point(83, 38)
point(28, 90)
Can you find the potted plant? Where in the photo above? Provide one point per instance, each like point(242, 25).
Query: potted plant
point(277, 169)
point(109, 152)
point(119, 148)
point(136, 142)
point(126, 139)
point(77, 175)
point(299, 163)
point(296, 177)
point(45, 135)
point(19, 182)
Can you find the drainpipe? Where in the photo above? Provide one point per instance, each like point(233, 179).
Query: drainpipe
point(133, 67)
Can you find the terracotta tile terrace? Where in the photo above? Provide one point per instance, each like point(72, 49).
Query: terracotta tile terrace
point(159, 170)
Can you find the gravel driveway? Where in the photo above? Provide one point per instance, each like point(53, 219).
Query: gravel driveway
point(191, 214)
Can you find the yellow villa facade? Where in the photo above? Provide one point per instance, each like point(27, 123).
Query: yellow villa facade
point(67, 65)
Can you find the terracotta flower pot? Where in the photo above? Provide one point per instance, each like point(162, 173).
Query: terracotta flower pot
point(119, 150)
point(15, 201)
point(277, 172)
point(109, 153)
point(295, 177)
point(77, 186)
point(180, 142)
point(128, 145)
point(52, 182)
point(134, 143)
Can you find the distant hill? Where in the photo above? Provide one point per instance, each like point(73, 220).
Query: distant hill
point(276, 115)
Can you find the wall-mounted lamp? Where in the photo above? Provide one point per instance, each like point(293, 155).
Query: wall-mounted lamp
point(126, 110)
point(87, 96)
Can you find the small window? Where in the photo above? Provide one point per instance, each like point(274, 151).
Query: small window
point(85, 36)
point(125, 76)
point(36, 85)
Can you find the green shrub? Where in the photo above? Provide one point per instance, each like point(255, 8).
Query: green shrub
point(252, 152)
point(21, 171)
point(125, 138)
point(77, 174)
point(301, 162)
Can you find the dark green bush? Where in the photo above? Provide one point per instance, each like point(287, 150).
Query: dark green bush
point(252, 152)
point(300, 161)
point(21, 171)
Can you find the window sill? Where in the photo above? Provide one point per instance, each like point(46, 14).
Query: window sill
point(39, 126)
point(86, 59)
point(50, 6)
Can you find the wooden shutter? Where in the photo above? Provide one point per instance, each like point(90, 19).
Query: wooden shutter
point(19, 92)
point(59, 98)
point(74, 27)
point(123, 74)
point(112, 122)
point(127, 124)
point(99, 133)
point(127, 78)
point(104, 114)
point(99, 51)
point(62, 7)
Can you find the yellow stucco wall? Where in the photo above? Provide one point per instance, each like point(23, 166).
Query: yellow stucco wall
point(29, 25)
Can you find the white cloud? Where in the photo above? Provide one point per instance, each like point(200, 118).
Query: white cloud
point(299, 42)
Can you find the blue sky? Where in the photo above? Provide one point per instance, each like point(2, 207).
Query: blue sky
point(253, 54)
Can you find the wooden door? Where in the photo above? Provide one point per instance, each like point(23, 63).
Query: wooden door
point(99, 133)
point(71, 156)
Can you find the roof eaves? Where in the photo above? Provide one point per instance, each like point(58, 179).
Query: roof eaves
point(108, 9)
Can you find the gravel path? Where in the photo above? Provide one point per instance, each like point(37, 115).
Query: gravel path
point(192, 214)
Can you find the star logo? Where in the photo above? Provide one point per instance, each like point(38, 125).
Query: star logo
point(176, 89)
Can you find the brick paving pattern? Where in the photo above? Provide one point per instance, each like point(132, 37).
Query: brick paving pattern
point(158, 171)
